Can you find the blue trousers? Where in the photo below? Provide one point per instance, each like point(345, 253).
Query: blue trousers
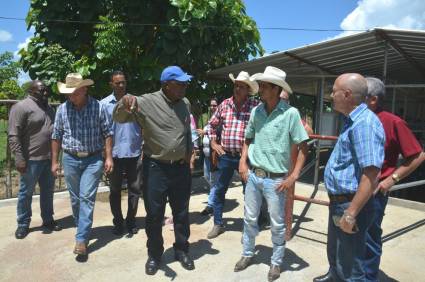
point(374, 239)
point(37, 171)
point(227, 164)
point(82, 176)
point(346, 252)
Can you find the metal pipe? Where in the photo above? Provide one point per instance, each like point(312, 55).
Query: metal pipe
point(318, 130)
point(311, 200)
point(393, 101)
point(407, 185)
point(384, 73)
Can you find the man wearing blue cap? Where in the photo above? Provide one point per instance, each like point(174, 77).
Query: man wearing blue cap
point(165, 118)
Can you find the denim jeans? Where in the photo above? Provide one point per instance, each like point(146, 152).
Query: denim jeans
point(227, 164)
point(162, 182)
point(346, 252)
point(82, 176)
point(256, 189)
point(211, 178)
point(37, 171)
point(374, 239)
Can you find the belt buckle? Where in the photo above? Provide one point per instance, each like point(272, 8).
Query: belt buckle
point(82, 154)
point(260, 172)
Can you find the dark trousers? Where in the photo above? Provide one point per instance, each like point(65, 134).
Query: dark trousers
point(162, 182)
point(132, 168)
point(346, 252)
point(374, 239)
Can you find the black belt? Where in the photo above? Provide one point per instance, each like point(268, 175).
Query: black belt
point(82, 154)
point(233, 153)
point(341, 198)
point(169, 162)
point(259, 172)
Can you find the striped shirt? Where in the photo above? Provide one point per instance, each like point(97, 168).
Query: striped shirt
point(82, 130)
point(232, 122)
point(360, 145)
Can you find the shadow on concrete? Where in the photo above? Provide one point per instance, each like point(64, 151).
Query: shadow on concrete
point(197, 250)
point(102, 236)
point(65, 223)
point(383, 277)
point(291, 261)
point(233, 224)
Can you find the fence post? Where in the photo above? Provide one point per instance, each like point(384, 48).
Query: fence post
point(8, 163)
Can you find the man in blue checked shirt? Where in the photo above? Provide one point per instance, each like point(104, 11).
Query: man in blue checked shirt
point(350, 178)
point(126, 153)
point(82, 129)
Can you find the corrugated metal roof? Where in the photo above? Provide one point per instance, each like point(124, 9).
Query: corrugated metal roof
point(362, 52)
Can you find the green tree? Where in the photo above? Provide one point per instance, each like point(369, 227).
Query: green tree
point(139, 37)
point(9, 87)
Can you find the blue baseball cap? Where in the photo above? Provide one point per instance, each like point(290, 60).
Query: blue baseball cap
point(174, 73)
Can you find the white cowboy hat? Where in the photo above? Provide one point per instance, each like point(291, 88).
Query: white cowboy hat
point(244, 77)
point(275, 76)
point(73, 81)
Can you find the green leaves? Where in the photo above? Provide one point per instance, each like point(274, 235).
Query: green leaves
point(140, 38)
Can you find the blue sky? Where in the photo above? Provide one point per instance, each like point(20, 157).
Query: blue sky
point(324, 14)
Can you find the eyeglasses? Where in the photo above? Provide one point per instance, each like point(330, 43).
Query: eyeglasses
point(213, 106)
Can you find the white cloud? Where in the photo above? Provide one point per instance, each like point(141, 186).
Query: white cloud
point(404, 14)
point(5, 36)
point(22, 45)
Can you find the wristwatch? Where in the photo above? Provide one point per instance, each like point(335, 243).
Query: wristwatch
point(349, 218)
point(395, 177)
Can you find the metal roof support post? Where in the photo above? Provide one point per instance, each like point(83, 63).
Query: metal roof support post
point(393, 101)
point(319, 112)
point(384, 74)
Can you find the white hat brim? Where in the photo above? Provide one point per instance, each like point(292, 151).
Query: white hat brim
point(69, 90)
point(273, 80)
point(253, 85)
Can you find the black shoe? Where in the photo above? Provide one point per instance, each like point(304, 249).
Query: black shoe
point(52, 226)
point(132, 229)
point(118, 230)
point(22, 232)
point(151, 266)
point(324, 278)
point(207, 211)
point(184, 260)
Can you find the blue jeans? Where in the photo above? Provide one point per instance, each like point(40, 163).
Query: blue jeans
point(82, 176)
point(346, 252)
point(227, 164)
point(374, 239)
point(256, 188)
point(211, 178)
point(37, 171)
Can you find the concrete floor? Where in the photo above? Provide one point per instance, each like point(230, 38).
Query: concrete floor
point(49, 257)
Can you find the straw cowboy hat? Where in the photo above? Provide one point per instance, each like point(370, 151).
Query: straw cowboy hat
point(73, 81)
point(244, 77)
point(275, 76)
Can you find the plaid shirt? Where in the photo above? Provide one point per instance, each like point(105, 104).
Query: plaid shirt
point(82, 130)
point(360, 144)
point(232, 122)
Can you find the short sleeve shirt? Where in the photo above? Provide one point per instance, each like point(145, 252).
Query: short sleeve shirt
point(273, 136)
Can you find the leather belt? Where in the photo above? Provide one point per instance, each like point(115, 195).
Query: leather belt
point(341, 198)
point(82, 154)
point(233, 153)
point(169, 162)
point(259, 172)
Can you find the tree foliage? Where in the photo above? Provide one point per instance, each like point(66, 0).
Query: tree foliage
point(140, 38)
point(9, 73)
